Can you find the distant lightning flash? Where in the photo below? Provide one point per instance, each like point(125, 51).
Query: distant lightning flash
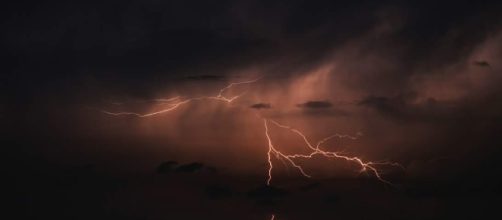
point(175, 102)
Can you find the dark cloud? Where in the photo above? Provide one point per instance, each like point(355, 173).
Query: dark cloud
point(261, 106)
point(190, 168)
point(316, 105)
point(195, 167)
point(167, 167)
point(481, 63)
point(384, 105)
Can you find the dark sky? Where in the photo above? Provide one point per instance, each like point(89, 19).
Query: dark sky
point(418, 81)
point(51, 43)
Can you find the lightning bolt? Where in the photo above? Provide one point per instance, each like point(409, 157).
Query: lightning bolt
point(221, 97)
point(369, 166)
point(279, 155)
point(175, 102)
point(170, 108)
point(316, 150)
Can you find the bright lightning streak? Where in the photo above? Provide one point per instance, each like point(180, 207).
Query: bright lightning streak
point(278, 154)
point(221, 97)
point(316, 150)
point(174, 105)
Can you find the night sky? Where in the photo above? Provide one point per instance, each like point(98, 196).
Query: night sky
point(88, 130)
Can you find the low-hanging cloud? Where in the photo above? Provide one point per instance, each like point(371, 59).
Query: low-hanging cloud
point(316, 105)
point(261, 106)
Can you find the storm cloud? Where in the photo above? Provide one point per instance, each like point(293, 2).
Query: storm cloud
point(420, 80)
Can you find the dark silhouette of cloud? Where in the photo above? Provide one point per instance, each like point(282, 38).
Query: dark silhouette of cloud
point(261, 106)
point(481, 63)
point(384, 105)
point(167, 167)
point(190, 168)
point(315, 105)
